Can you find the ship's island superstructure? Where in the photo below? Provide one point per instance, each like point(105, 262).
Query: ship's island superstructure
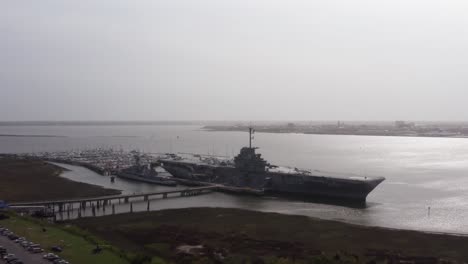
point(249, 171)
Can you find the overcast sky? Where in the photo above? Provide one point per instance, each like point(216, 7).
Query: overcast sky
point(233, 60)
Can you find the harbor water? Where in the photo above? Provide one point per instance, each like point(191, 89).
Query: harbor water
point(420, 172)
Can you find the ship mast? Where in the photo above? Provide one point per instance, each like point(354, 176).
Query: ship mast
point(251, 132)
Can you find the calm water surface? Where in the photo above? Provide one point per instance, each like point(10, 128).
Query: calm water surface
point(420, 172)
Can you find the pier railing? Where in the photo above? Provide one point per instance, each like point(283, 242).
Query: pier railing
point(100, 206)
point(67, 209)
point(124, 197)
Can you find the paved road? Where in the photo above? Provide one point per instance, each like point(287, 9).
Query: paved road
point(21, 253)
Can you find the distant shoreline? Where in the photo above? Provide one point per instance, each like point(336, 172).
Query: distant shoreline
point(98, 123)
point(330, 134)
point(327, 132)
point(18, 135)
point(254, 123)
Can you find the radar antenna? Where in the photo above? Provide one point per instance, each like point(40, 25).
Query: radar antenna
point(251, 136)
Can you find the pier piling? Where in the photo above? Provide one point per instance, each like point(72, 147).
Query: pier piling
point(61, 207)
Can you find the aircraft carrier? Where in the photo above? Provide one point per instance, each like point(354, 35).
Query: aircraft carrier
point(249, 171)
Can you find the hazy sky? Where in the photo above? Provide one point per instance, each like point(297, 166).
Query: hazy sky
point(233, 60)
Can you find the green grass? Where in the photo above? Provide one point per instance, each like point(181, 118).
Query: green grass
point(77, 248)
point(243, 236)
point(26, 180)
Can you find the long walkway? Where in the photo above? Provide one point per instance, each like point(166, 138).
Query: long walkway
point(21, 253)
point(183, 192)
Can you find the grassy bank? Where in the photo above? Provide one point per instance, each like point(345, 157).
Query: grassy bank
point(239, 236)
point(77, 245)
point(33, 180)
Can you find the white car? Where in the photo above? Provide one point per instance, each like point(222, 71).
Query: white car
point(25, 244)
point(9, 256)
point(19, 240)
point(50, 256)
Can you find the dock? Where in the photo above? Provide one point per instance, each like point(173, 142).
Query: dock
point(61, 207)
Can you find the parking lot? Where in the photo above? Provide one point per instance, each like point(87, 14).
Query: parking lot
point(19, 250)
point(21, 253)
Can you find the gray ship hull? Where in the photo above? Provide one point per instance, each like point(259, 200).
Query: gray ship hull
point(322, 187)
point(293, 184)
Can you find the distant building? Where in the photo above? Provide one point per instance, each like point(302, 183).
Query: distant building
point(403, 125)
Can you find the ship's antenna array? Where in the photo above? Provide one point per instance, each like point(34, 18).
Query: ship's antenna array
point(251, 136)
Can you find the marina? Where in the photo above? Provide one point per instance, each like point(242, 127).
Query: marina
point(104, 161)
point(246, 173)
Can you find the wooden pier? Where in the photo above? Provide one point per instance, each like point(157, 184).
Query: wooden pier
point(100, 203)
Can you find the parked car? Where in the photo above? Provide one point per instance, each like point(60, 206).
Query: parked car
point(3, 251)
point(34, 245)
point(60, 261)
point(57, 249)
point(15, 261)
point(12, 236)
point(36, 250)
point(20, 239)
point(25, 244)
point(8, 257)
point(50, 256)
